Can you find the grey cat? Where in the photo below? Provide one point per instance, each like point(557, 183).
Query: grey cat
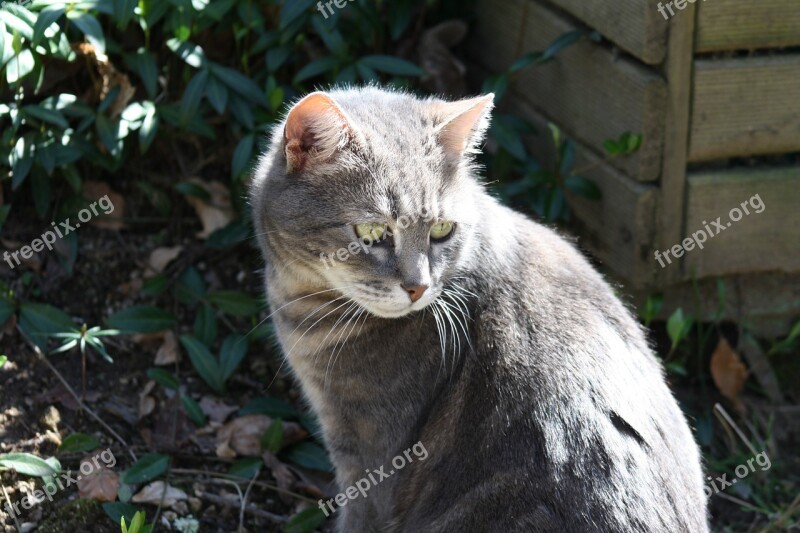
point(415, 308)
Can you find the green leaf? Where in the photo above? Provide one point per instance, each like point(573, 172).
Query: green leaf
point(391, 65)
point(242, 155)
point(246, 468)
point(503, 131)
point(204, 363)
point(141, 319)
point(193, 410)
point(192, 54)
point(6, 310)
point(240, 84)
point(233, 350)
point(305, 521)
point(678, 326)
point(44, 20)
point(275, 407)
point(40, 321)
point(217, 94)
point(19, 66)
point(292, 10)
point(234, 233)
point(149, 127)
point(532, 58)
point(147, 468)
point(190, 287)
point(109, 132)
point(123, 11)
point(90, 28)
point(583, 187)
point(3, 360)
point(163, 378)
point(116, 511)
point(27, 464)
point(205, 325)
point(46, 115)
point(272, 439)
point(144, 64)
point(192, 96)
point(315, 68)
point(155, 286)
point(562, 42)
point(310, 455)
point(235, 303)
point(78, 443)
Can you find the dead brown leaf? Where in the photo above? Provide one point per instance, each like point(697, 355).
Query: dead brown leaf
point(215, 213)
point(728, 372)
point(160, 258)
point(242, 436)
point(154, 492)
point(146, 402)
point(215, 410)
point(94, 191)
point(101, 484)
point(168, 353)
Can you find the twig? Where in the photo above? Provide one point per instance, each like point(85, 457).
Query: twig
point(219, 500)
point(244, 500)
point(77, 399)
point(10, 508)
point(719, 410)
point(739, 502)
point(226, 477)
point(789, 511)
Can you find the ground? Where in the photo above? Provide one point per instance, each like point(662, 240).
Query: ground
point(37, 412)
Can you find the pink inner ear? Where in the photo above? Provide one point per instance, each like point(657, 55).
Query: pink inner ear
point(314, 128)
point(466, 124)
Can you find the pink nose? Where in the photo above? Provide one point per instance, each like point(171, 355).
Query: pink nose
point(415, 292)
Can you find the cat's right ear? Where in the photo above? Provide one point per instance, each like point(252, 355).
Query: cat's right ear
point(316, 128)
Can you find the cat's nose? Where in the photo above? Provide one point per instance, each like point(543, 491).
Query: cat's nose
point(415, 292)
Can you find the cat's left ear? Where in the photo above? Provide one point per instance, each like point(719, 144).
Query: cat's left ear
point(465, 124)
point(316, 128)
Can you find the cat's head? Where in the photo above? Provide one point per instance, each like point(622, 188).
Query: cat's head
point(372, 191)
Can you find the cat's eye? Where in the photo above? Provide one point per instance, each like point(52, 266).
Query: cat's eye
point(441, 230)
point(371, 230)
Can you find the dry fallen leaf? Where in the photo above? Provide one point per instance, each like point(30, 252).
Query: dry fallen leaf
point(102, 484)
point(215, 213)
point(160, 258)
point(153, 493)
point(215, 410)
point(146, 402)
point(110, 217)
point(168, 353)
point(728, 372)
point(242, 436)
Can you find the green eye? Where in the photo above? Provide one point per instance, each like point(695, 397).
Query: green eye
point(441, 230)
point(370, 230)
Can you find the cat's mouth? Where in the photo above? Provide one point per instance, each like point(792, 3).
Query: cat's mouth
point(396, 307)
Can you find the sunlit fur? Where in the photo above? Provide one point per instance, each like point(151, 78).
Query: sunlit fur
point(529, 383)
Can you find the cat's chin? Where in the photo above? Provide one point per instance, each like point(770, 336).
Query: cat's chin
point(384, 312)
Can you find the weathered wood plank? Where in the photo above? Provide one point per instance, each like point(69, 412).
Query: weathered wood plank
point(759, 242)
point(588, 91)
point(676, 135)
point(634, 25)
point(745, 107)
point(747, 24)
